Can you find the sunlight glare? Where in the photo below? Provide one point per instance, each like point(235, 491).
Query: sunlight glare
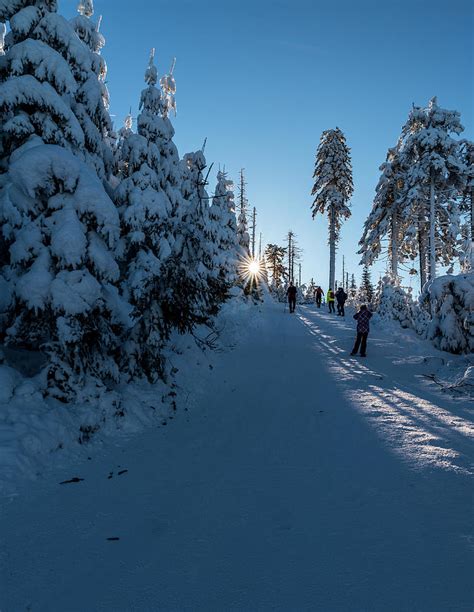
point(254, 267)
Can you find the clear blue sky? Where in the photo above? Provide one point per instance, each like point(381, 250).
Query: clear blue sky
point(261, 80)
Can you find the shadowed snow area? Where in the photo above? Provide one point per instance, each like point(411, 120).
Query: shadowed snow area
point(299, 479)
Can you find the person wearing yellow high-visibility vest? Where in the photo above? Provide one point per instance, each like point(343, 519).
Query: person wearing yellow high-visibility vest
point(330, 298)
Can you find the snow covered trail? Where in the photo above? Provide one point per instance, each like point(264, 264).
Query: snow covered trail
point(282, 489)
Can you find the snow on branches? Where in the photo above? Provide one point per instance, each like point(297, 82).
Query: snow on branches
point(102, 251)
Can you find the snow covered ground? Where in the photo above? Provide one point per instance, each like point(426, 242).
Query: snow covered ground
point(37, 433)
point(294, 477)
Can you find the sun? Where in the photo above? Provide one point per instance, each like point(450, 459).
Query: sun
point(250, 269)
point(254, 267)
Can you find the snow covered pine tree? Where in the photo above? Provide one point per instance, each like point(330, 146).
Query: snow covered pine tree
point(59, 227)
point(391, 303)
point(188, 301)
point(91, 102)
point(332, 188)
point(224, 237)
point(146, 211)
point(433, 177)
point(366, 292)
point(385, 218)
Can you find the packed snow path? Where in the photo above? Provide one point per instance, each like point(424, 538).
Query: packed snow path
point(303, 480)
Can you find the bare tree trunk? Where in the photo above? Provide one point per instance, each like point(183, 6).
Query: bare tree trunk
point(432, 218)
point(332, 248)
point(290, 254)
point(422, 248)
point(254, 226)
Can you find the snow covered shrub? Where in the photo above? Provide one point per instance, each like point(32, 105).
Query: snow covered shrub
point(62, 229)
point(450, 302)
point(392, 303)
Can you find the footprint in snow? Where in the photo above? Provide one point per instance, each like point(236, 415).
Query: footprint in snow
point(75, 479)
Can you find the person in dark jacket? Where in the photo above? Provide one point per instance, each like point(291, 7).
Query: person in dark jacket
point(363, 327)
point(318, 294)
point(341, 297)
point(291, 293)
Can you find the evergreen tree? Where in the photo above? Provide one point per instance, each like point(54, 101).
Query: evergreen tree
point(275, 256)
point(385, 218)
point(392, 303)
point(352, 292)
point(366, 290)
point(434, 174)
point(91, 102)
point(224, 236)
point(37, 78)
point(188, 301)
point(146, 217)
point(309, 292)
point(59, 227)
point(332, 188)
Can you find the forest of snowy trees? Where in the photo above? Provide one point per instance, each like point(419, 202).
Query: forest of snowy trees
point(423, 208)
point(109, 240)
point(422, 222)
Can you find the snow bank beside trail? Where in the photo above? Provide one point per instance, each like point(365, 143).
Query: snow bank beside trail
point(453, 374)
point(37, 433)
point(450, 301)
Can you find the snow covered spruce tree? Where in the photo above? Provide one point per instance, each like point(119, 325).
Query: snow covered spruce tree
point(352, 287)
point(91, 102)
point(434, 175)
point(385, 218)
point(188, 300)
point(223, 237)
point(366, 292)
point(392, 303)
point(275, 257)
point(332, 188)
point(147, 232)
point(59, 227)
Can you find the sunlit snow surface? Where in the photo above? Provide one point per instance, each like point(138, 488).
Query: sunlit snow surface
point(424, 426)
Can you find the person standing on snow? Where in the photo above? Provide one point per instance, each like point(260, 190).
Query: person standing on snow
point(330, 300)
point(291, 293)
point(341, 297)
point(318, 294)
point(363, 327)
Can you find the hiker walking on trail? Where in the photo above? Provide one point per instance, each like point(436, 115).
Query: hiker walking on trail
point(330, 300)
point(318, 294)
point(341, 297)
point(363, 327)
point(291, 293)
